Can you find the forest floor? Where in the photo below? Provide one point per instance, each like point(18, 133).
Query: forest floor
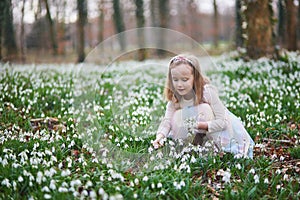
point(71, 131)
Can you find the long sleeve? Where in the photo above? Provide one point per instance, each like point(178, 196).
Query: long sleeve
point(165, 125)
point(210, 96)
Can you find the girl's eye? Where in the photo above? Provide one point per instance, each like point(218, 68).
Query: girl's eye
point(175, 80)
point(185, 80)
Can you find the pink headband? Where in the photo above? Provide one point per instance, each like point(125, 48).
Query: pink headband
point(181, 59)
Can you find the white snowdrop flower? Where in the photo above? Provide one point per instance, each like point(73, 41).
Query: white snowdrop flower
point(4, 162)
point(66, 172)
point(6, 183)
point(136, 181)
point(135, 195)
point(285, 177)
point(95, 160)
point(159, 185)
point(53, 159)
point(252, 171)
point(45, 189)
point(266, 181)
point(89, 184)
point(278, 187)
point(150, 150)
point(93, 194)
point(14, 183)
point(47, 196)
point(162, 192)
point(177, 186)
point(159, 155)
point(152, 185)
point(62, 189)
point(278, 171)
point(182, 183)
point(16, 165)
point(109, 165)
point(75, 183)
point(20, 179)
point(131, 184)
point(60, 165)
point(145, 178)
point(52, 185)
point(226, 176)
point(193, 159)
point(281, 158)
point(274, 156)
point(116, 197)
point(84, 193)
point(39, 177)
point(238, 166)
point(101, 178)
point(256, 178)
point(47, 152)
point(30, 198)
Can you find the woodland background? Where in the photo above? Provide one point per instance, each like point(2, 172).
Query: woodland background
point(65, 31)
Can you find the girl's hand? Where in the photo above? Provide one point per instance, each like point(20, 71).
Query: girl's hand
point(158, 142)
point(202, 126)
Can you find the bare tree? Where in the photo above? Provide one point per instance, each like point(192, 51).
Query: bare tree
point(2, 12)
point(37, 10)
point(61, 6)
point(9, 33)
point(82, 18)
point(259, 28)
point(119, 23)
point(51, 28)
point(281, 31)
point(22, 34)
point(154, 13)
point(140, 20)
point(163, 23)
point(298, 25)
point(291, 25)
point(239, 41)
point(101, 21)
point(216, 24)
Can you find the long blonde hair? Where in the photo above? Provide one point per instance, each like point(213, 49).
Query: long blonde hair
point(199, 80)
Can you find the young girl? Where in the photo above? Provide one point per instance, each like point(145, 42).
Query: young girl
point(192, 100)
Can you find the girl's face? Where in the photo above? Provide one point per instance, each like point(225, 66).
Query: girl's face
point(183, 79)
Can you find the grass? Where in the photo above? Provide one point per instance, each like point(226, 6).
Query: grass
point(68, 135)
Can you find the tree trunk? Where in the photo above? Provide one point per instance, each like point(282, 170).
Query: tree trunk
point(140, 20)
point(38, 10)
point(2, 12)
point(119, 23)
point(22, 34)
point(239, 41)
point(291, 25)
point(60, 26)
point(51, 29)
point(82, 17)
point(101, 22)
point(282, 33)
point(259, 29)
point(298, 32)
point(154, 13)
point(9, 34)
point(163, 23)
point(216, 24)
